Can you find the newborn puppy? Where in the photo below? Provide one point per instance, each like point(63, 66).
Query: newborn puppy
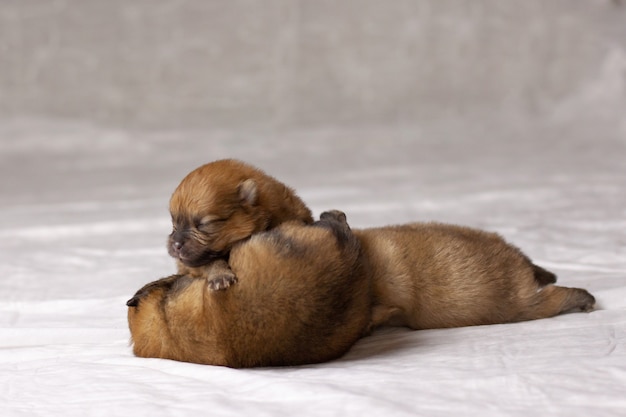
point(302, 297)
point(220, 204)
point(430, 275)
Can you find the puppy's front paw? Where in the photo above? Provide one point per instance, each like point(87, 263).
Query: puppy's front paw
point(221, 282)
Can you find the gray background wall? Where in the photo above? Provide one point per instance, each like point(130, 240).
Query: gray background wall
point(309, 63)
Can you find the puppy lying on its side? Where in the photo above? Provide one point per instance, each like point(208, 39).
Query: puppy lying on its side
point(220, 204)
point(302, 297)
point(432, 275)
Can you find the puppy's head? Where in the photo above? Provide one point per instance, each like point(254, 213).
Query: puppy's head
point(166, 320)
point(214, 207)
point(145, 318)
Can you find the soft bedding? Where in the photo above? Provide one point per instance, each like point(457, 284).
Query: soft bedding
point(83, 222)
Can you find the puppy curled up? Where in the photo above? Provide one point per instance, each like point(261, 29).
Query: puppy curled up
point(302, 296)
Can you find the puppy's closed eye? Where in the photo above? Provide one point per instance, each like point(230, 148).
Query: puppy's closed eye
point(207, 219)
point(210, 224)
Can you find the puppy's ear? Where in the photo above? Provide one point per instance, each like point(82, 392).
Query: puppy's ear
point(133, 302)
point(248, 193)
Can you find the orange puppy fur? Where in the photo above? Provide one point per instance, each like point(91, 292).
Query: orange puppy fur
point(431, 275)
point(222, 203)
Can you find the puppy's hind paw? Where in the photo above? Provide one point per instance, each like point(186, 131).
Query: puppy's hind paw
point(589, 305)
point(585, 302)
point(336, 215)
point(221, 282)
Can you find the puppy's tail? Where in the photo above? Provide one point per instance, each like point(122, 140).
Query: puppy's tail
point(543, 277)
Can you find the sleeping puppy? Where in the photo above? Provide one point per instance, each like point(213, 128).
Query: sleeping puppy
point(220, 204)
point(303, 296)
point(432, 275)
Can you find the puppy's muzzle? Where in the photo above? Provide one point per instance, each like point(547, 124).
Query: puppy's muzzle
point(176, 243)
point(177, 240)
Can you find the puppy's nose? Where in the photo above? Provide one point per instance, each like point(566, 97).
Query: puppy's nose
point(177, 244)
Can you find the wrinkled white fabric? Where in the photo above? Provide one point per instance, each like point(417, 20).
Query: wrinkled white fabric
point(83, 222)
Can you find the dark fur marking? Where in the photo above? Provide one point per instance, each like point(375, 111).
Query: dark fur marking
point(285, 246)
point(204, 258)
point(543, 276)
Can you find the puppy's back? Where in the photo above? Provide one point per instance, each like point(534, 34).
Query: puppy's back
point(309, 289)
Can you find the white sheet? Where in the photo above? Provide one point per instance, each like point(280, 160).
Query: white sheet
point(83, 221)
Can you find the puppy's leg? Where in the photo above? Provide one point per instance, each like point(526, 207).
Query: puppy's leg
point(553, 300)
point(219, 276)
point(385, 316)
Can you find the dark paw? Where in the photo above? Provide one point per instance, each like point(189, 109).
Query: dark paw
point(221, 282)
point(335, 220)
point(587, 301)
point(336, 215)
